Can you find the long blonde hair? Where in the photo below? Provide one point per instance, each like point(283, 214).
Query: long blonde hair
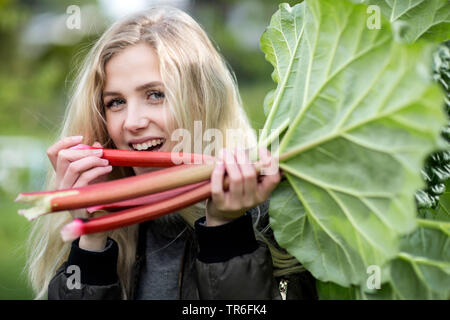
point(199, 86)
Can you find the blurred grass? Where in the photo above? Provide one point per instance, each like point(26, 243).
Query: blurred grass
point(13, 233)
point(14, 230)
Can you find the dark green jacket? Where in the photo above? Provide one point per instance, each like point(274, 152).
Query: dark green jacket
point(224, 262)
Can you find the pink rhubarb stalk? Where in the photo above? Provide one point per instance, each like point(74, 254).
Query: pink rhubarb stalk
point(118, 190)
point(145, 200)
point(113, 191)
point(137, 215)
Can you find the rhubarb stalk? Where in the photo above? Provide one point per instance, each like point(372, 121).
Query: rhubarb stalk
point(199, 192)
point(144, 200)
point(129, 158)
point(113, 191)
point(137, 215)
point(117, 190)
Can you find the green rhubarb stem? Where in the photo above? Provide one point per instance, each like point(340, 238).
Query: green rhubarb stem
point(433, 224)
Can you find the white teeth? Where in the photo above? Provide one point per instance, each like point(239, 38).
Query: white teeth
point(148, 144)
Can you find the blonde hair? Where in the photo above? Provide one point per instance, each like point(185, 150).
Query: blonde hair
point(198, 86)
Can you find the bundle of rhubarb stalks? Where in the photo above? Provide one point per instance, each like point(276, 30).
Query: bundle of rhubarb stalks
point(183, 181)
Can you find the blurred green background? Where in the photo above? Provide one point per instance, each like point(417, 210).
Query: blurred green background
point(39, 54)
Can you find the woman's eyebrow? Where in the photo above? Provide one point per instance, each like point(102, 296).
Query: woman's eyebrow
point(140, 88)
point(105, 94)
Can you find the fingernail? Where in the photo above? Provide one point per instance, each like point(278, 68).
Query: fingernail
point(224, 153)
point(105, 161)
point(76, 138)
point(97, 151)
point(108, 168)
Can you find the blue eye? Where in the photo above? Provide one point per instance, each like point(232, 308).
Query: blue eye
point(155, 96)
point(115, 102)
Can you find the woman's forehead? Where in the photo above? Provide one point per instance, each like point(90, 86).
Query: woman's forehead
point(133, 67)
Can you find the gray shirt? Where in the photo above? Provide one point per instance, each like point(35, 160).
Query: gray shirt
point(164, 239)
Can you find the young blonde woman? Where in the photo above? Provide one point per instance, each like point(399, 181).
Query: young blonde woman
point(148, 75)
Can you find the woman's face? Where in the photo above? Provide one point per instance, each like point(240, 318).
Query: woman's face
point(134, 101)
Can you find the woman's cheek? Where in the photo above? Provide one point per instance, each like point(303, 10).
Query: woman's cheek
point(113, 128)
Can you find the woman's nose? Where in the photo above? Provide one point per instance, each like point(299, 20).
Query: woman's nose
point(135, 119)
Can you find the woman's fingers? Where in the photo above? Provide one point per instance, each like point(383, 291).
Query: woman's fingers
point(67, 156)
point(64, 143)
point(249, 178)
point(271, 175)
point(236, 187)
point(91, 175)
point(77, 168)
point(97, 144)
point(217, 176)
point(101, 178)
point(244, 190)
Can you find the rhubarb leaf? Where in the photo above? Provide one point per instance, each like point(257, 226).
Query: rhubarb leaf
point(421, 270)
point(416, 19)
point(362, 115)
point(442, 210)
point(280, 43)
point(332, 291)
point(425, 255)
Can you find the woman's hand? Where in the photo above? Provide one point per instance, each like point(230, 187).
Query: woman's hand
point(246, 189)
point(79, 168)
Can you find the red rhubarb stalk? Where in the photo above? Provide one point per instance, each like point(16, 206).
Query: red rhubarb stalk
point(137, 215)
point(129, 158)
point(114, 191)
point(149, 199)
point(79, 227)
point(117, 190)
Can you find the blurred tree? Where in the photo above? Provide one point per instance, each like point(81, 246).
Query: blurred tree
point(33, 79)
point(246, 59)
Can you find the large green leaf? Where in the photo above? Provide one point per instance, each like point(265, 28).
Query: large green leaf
point(362, 114)
point(340, 254)
point(442, 211)
point(332, 291)
point(421, 270)
point(416, 19)
point(280, 43)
